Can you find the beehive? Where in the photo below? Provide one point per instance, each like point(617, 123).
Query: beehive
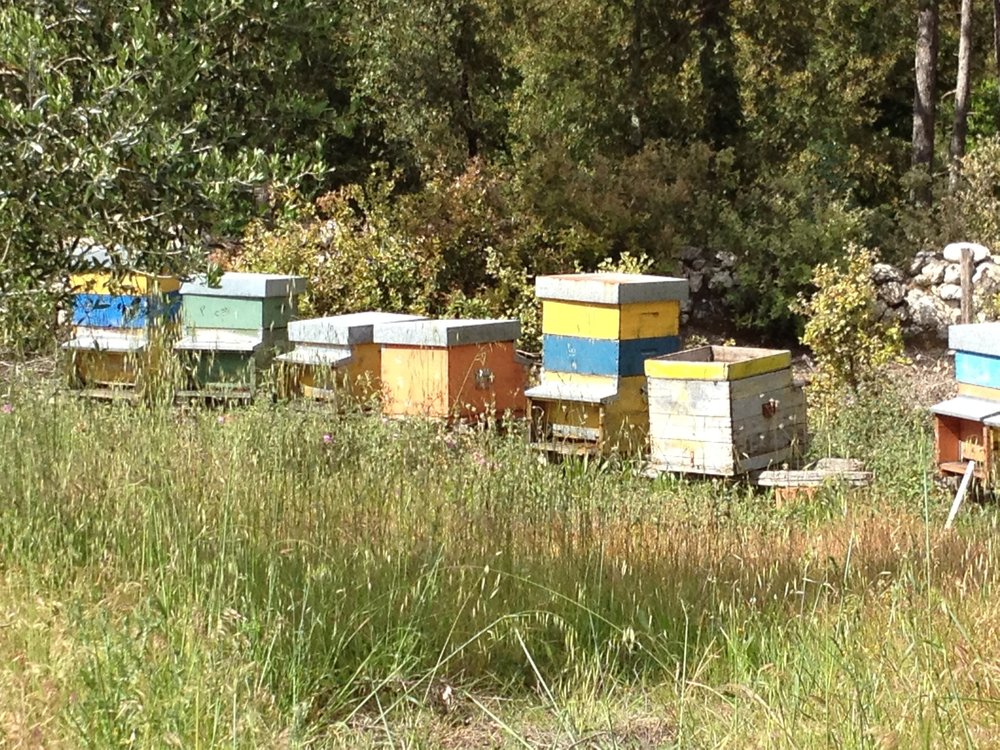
point(233, 330)
point(115, 316)
point(450, 369)
point(967, 427)
point(336, 355)
point(724, 411)
point(597, 330)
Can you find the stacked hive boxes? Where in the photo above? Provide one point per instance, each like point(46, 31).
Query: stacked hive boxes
point(232, 330)
point(723, 410)
point(967, 427)
point(337, 355)
point(114, 319)
point(597, 330)
point(450, 369)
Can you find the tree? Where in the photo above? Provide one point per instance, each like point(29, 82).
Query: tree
point(960, 128)
point(925, 97)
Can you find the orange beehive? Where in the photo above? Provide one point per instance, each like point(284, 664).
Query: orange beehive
point(451, 369)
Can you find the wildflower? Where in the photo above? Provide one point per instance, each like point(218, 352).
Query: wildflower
point(221, 419)
point(6, 408)
point(327, 438)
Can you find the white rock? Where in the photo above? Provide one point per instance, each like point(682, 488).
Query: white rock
point(952, 274)
point(929, 313)
point(950, 292)
point(882, 272)
point(893, 293)
point(953, 251)
point(932, 273)
point(987, 272)
point(721, 280)
point(726, 259)
point(691, 253)
point(695, 282)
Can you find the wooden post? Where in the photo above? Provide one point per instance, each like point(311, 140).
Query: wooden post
point(966, 271)
point(970, 470)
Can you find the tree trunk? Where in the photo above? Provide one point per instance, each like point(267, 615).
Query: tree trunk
point(924, 100)
point(636, 82)
point(996, 39)
point(960, 128)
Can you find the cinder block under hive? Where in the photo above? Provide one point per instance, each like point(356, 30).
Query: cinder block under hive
point(723, 410)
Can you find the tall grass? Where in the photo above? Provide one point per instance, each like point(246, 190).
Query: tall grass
point(277, 577)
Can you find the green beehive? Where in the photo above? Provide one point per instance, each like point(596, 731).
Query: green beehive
point(232, 331)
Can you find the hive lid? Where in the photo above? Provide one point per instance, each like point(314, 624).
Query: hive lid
point(967, 407)
point(220, 340)
point(597, 393)
point(977, 338)
point(446, 333)
point(107, 340)
point(611, 288)
point(344, 330)
point(718, 363)
point(256, 285)
point(328, 356)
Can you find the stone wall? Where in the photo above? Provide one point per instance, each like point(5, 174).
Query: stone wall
point(923, 297)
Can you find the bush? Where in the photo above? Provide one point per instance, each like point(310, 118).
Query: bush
point(850, 344)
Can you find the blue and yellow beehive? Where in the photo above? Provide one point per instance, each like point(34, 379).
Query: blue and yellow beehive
point(115, 316)
point(967, 427)
point(597, 331)
point(232, 330)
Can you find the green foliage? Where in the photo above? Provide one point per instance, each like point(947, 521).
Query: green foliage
point(779, 230)
point(850, 344)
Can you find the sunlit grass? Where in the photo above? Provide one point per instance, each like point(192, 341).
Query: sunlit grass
point(279, 578)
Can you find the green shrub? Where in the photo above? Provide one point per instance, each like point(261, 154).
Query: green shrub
point(850, 344)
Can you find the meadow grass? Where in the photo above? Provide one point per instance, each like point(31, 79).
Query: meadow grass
point(273, 577)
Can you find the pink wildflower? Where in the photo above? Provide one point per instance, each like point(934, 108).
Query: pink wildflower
point(7, 408)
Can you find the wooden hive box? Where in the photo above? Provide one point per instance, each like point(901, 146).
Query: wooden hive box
point(114, 316)
point(597, 330)
point(336, 355)
point(231, 332)
point(450, 369)
point(967, 428)
point(723, 411)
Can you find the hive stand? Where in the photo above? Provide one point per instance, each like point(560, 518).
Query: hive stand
point(597, 330)
point(723, 410)
point(967, 427)
point(231, 332)
point(117, 318)
point(336, 356)
point(451, 369)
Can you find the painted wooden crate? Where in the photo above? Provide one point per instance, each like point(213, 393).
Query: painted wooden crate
point(451, 369)
point(232, 331)
point(581, 415)
point(967, 428)
point(114, 317)
point(336, 356)
point(597, 330)
point(723, 410)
